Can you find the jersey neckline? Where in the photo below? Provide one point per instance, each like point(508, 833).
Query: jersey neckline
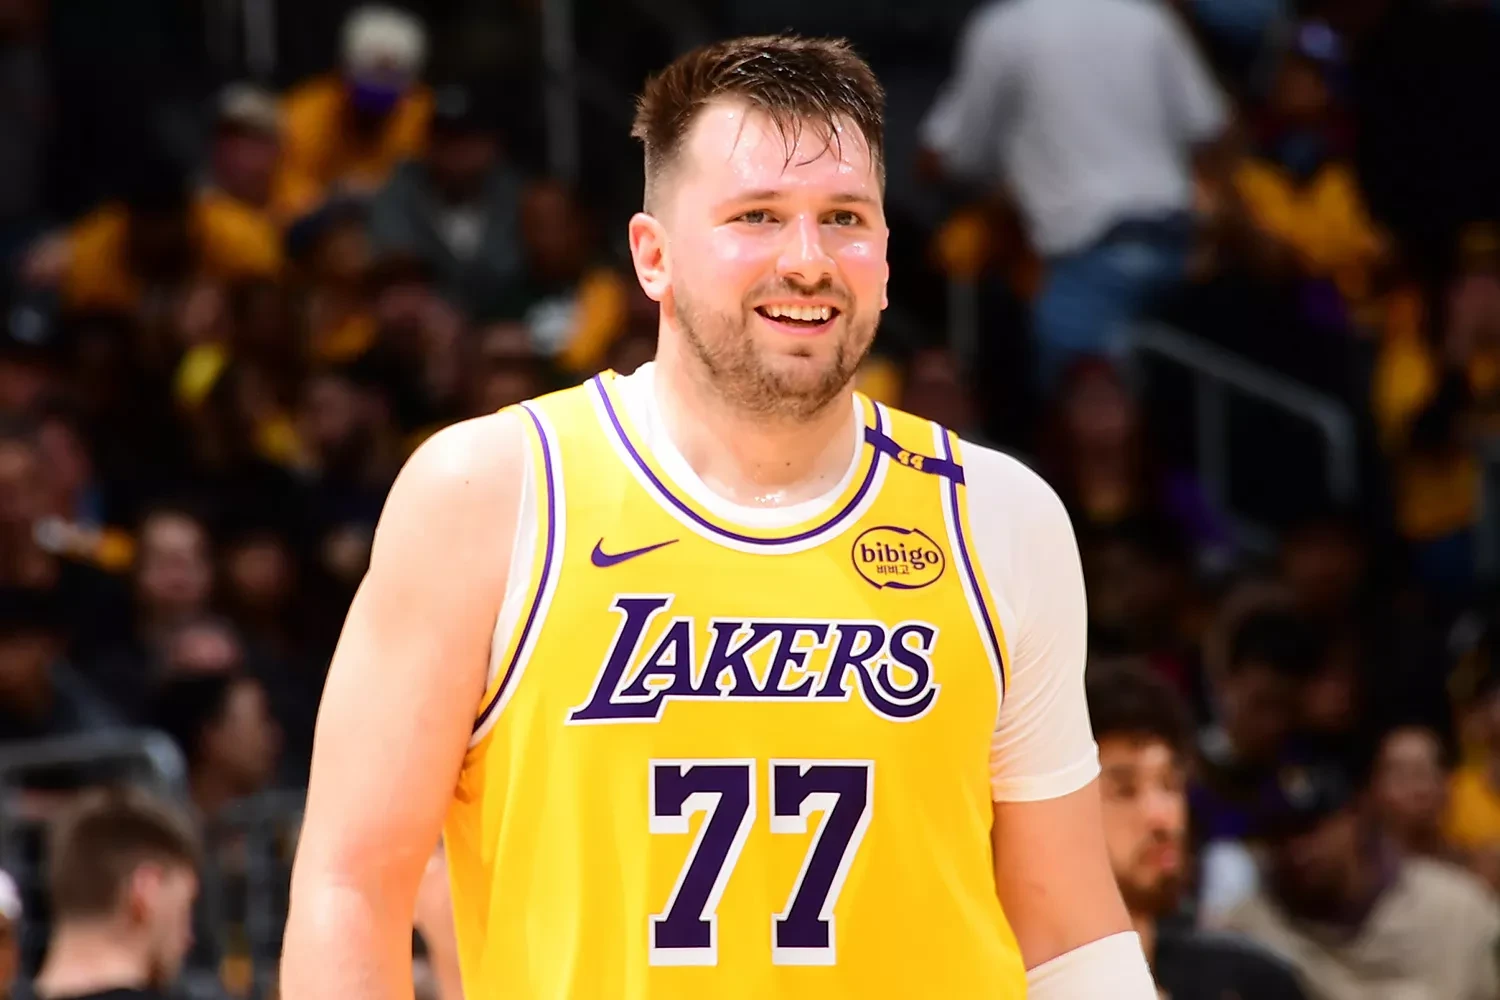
point(839, 507)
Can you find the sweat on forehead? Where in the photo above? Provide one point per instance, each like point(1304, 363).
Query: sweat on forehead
point(730, 131)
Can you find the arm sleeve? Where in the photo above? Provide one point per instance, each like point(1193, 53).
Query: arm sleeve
point(1197, 108)
point(964, 124)
point(1110, 967)
point(1043, 746)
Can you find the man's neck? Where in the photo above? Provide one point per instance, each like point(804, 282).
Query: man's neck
point(747, 458)
point(90, 958)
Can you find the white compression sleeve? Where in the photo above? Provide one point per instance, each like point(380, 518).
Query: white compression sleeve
point(1113, 967)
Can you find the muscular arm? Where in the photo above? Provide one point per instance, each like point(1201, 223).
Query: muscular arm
point(397, 712)
point(1052, 870)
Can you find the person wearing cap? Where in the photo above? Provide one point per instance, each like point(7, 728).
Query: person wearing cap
point(456, 208)
point(246, 146)
point(344, 132)
point(1145, 746)
point(1356, 918)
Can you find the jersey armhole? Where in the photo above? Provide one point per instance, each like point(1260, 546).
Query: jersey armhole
point(532, 576)
point(982, 604)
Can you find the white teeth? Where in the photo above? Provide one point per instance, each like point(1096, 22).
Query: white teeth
point(807, 314)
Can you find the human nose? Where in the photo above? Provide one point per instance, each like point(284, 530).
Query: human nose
point(804, 257)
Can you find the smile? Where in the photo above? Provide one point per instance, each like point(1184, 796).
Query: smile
point(799, 317)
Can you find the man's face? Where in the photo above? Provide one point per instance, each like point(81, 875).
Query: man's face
point(246, 743)
point(1312, 871)
point(755, 231)
point(174, 574)
point(1145, 820)
point(1409, 780)
point(1259, 707)
point(244, 164)
point(161, 901)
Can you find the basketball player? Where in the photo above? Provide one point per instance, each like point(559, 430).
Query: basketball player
point(727, 682)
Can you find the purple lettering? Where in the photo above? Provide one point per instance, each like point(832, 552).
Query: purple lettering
point(787, 657)
point(849, 653)
point(601, 706)
point(673, 658)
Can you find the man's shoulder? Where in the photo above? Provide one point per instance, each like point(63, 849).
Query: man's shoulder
point(999, 481)
point(1448, 888)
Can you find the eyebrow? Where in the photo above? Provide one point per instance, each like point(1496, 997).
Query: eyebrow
point(772, 194)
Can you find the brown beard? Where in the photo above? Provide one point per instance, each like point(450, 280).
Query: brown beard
point(739, 374)
point(1156, 900)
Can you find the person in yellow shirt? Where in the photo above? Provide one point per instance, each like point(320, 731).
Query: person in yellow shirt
point(1472, 819)
point(345, 132)
point(160, 237)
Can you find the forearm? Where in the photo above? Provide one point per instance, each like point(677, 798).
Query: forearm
point(341, 942)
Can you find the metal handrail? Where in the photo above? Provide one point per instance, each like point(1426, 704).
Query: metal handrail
point(1216, 373)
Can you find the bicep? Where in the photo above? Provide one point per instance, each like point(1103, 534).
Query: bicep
point(1053, 876)
point(962, 127)
point(406, 678)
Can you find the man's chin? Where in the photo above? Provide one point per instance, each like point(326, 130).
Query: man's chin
point(1155, 899)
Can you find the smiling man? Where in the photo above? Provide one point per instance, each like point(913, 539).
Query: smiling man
point(720, 679)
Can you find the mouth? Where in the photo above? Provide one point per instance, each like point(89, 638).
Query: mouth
point(798, 318)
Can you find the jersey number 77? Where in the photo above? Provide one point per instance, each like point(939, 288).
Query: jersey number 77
point(686, 931)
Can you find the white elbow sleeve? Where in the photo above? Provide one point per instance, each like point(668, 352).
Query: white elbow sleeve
point(1113, 967)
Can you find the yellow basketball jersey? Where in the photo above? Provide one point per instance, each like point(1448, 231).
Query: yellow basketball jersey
point(724, 762)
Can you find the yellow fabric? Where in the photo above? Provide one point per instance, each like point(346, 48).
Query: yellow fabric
point(198, 372)
point(232, 242)
point(1405, 374)
point(1473, 819)
point(1324, 221)
point(1436, 496)
point(602, 304)
point(346, 340)
point(318, 151)
point(963, 244)
point(776, 661)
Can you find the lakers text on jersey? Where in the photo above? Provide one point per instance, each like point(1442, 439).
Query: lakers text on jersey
point(726, 761)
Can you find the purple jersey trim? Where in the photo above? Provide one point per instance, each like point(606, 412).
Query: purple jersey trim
point(541, 587)
point(968, 563)
point(661, 487)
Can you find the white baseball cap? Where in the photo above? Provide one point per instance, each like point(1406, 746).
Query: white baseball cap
point(379, 35)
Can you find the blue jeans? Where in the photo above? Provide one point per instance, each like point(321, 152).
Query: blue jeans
point(1091, 296)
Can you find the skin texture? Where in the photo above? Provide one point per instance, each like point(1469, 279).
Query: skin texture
point(763, 414)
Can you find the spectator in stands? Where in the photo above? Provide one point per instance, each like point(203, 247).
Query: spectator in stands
point(418, 355)
point(1271, 655)
point(246, 147)
point(934, 388)
point(157, 243)
point(222, 722)
point(41, 694)
point(1472, 819)
point(1409, 791)
point(173, 583)
point(204, 646)
point(1095, 453)
point(575, 305)
point(122, 877)
point(345, 132)
point(508, 369)
point(89, 602)
point(1355, 917)
point(10, 937)
point(1301, 193)
point(1145, 744)
point(457, 207)
point(332, 248)
point(1093, 114)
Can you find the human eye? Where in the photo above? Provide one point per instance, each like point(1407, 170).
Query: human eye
point(755, 217)
point(844, 217)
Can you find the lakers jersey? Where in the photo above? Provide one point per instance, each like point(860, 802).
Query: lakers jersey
point(721, 760)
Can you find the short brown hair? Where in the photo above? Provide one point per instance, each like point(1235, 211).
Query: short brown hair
point(794, 81)
point(105, 837)
point(1127, 698)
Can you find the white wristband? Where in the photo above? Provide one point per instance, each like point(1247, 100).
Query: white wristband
point(1112, 967)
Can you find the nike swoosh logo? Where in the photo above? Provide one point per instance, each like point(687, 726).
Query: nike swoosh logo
point(604, 559)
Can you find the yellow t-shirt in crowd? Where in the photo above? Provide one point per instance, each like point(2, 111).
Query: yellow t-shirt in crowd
point(1473, 819)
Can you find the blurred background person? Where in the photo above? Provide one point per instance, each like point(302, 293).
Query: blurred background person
point(122, 877)
point(1093, 116)
point(1353, 914)
point(1410, 794)
point(1145, 742)
point(346, 131)
point(11, 912)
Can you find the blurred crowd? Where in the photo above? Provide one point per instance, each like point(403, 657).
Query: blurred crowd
point(211, 371)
